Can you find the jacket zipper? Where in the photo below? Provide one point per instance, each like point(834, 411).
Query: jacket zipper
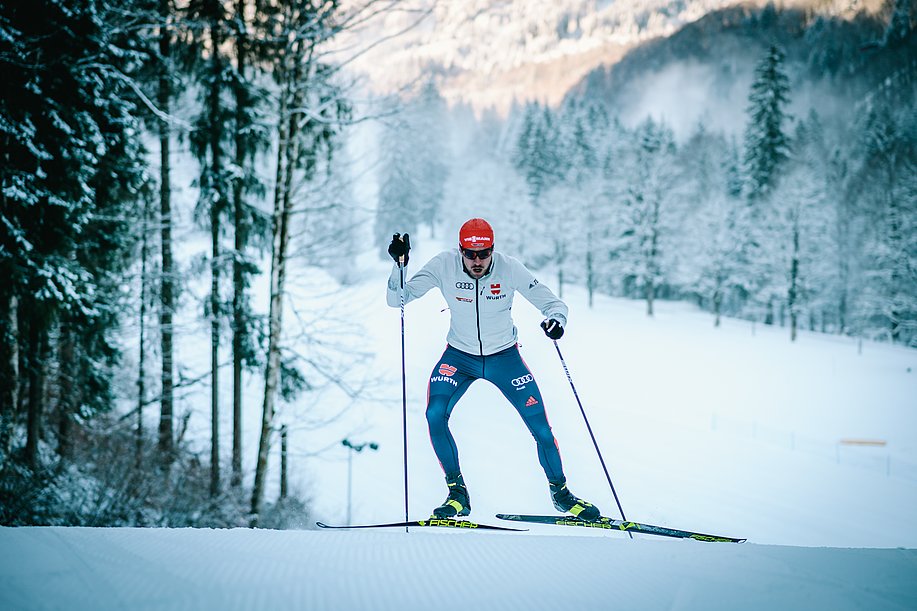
point(477, 315)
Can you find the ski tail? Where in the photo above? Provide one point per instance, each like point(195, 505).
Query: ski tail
point(624, 525)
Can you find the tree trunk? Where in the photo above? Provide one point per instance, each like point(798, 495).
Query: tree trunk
point(793, 294)
point(141, 366)
point(216, 177)
point(283, 462)
point(37, 354)
point(286, 156)
point(215, 353)
point(23, 323)
point(9, 369)
point(717, 304)
point(239, 329)
point(166, 444)
point(650, 290)
point(66, 402)
point(653, 257)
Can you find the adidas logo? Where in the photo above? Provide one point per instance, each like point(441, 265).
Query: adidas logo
point(531, 401)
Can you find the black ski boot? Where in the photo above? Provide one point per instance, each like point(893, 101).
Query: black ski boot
point(457, 503)
point(566, 502)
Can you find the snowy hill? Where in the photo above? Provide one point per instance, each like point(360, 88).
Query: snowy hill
point(731, 431)
point(703, 71)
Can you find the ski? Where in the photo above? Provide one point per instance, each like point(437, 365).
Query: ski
point(613, 524)
point(432, 522)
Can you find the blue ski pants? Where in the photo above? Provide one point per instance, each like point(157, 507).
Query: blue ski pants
point(452, 376)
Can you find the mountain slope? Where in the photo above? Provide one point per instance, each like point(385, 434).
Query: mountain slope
point(705, 69)
point(488, 52)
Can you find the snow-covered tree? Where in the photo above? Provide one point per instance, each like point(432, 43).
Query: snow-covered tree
point(766, 142)
point(577, 202)
point(72, 171)
point(536, 154)
point(649, 220)
point(885, 179)
point(483, 183)
point(429, 134)
point(399, 208)
point(537, 157)
point(899, 24)
point(804, 221)
point(766, 151)
point(310, 111)
point(709, 239)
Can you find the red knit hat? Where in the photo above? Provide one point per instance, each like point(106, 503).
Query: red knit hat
point(475, 234)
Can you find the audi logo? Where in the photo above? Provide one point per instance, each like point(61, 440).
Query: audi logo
point(467, 286)
point(523, 380)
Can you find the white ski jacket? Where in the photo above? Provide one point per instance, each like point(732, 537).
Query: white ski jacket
point(480, 309)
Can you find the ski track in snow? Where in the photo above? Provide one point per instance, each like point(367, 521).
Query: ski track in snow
point(124, 568)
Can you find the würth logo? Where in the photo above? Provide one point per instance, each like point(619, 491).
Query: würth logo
point(447, 370)
point(495, 289)
point(532, 401)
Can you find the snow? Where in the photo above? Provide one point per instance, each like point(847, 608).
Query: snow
point(733, 431)
point(98, 569)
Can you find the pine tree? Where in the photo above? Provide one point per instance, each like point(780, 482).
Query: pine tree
point(899, 25)
point(650, 217)
point(766, 143)
point(576, 205)
point(885, 179)
point(73, 166)
point(250, 138)
point(431, 151)
point(164, 77)
point(399, 208)
point(804, 219)
point(536, 154)
point(211, 146)
point(766, 152)
point(710, 237)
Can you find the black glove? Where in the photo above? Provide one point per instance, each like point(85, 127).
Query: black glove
point(552, 328)
point(400, 247)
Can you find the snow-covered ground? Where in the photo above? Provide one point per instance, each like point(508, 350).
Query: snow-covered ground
point(102, 569)
point(732, 431)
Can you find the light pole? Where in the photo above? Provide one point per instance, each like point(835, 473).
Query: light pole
point(351, 448)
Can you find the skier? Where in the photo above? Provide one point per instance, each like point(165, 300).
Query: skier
point(478, 285)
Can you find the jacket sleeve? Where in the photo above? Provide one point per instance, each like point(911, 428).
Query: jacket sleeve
point(538, 294)
point(420, 283)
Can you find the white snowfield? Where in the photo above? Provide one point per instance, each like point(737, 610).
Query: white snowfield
point(197, 570)
point(808, 449)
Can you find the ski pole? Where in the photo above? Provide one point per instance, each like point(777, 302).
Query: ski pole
point(589, 428)
point(404, 397)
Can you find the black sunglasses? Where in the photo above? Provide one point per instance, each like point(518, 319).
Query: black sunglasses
point(482, 254)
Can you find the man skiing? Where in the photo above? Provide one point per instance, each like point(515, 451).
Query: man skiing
point(478, 285)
